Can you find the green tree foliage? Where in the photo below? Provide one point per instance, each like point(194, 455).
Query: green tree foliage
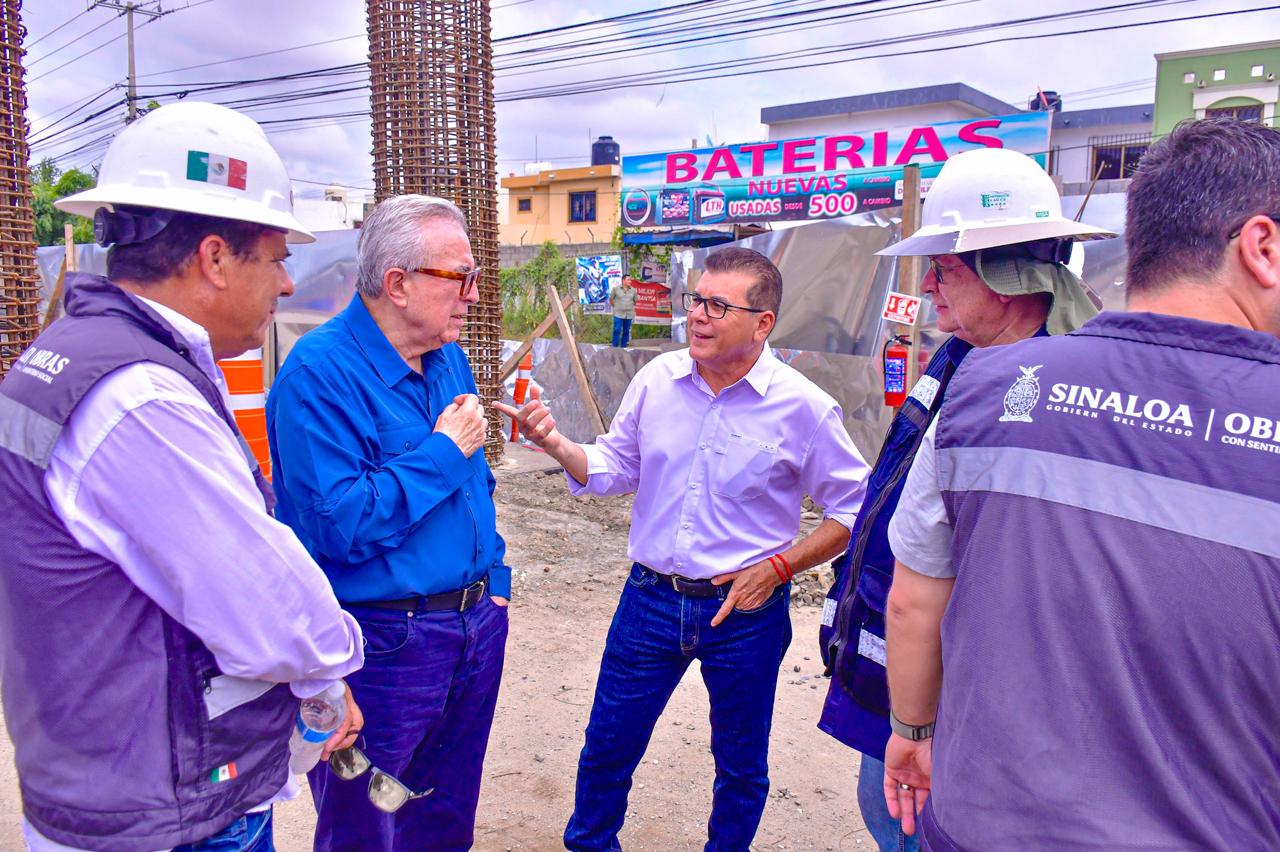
point(525, 302)
point(48, 184)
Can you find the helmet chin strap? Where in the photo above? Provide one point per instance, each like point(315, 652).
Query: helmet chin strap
point(128, 226)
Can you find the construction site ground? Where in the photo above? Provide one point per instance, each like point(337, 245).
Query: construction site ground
point(570, 561)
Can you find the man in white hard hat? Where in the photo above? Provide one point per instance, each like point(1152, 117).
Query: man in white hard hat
point(1087, 595)
point(157, 625)
point(997, 242)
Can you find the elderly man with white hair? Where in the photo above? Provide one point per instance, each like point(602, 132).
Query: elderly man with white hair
point(377, 435)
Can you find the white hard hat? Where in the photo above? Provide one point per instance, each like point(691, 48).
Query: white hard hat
point(990, 197)
point(195, 158)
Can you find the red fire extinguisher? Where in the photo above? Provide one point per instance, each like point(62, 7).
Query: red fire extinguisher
point(894, 357)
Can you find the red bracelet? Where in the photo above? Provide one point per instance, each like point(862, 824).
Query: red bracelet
point(777, 570)
point(787, 565)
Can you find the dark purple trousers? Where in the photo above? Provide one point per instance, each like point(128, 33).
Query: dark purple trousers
point(427, 691)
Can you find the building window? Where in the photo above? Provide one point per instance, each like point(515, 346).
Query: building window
point(524, 205)
point(1117, 156)
point(1189, 77)
point(1240, 113)
point(1219, 74)
point(582, 206)
point(1255, 71)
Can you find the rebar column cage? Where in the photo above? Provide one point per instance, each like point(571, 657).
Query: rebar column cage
point(19, 279)
point(431, 74)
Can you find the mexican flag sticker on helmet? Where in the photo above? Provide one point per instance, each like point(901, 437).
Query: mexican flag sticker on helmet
point(217, 169)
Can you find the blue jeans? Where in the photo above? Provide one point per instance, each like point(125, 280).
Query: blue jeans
point(621, 331)
point(427, 690)
point(656, 633)
point(885, 830)
point(250, 833)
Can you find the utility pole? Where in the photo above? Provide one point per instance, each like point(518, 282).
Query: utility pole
point(129, 7)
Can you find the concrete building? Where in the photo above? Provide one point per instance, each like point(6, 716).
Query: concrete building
point(576, 205)
point(335, 212)
point(1238, 81)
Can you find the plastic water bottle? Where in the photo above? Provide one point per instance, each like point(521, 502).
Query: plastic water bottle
point(318, 717)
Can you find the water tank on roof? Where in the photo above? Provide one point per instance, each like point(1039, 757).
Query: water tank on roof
point(1051, 102)
point(605, 152)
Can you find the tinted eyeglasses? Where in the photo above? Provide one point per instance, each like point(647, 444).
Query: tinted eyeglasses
point(467, 279)
point(715, 308)
point(386, 792)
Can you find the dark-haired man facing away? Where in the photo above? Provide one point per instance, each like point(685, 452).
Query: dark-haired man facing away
point(719, 442)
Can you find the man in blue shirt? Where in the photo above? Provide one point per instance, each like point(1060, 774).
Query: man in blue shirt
point(376, 439)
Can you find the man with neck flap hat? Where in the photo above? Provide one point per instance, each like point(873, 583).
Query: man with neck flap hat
point(998, 246)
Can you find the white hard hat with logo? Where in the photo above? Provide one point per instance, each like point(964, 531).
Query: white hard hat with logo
point(990, 197)
point(198, 158)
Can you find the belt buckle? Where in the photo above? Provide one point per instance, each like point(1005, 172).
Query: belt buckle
point(467, 600)
point(678, 583)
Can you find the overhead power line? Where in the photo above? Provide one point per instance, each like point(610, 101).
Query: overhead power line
point(65, 23)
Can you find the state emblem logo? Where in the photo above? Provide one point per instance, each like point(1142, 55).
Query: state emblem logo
point(1022, 396)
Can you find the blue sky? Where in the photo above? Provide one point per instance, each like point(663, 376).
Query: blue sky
point(1094, 70)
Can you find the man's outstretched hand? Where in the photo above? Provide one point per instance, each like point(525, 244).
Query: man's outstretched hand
point(534, 418)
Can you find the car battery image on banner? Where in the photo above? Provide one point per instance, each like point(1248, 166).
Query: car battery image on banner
point(673, 207)
point(636, 207)
point(708, 204)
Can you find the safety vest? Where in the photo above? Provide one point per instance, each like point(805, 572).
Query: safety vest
point(107, 699)
point(1111, 648)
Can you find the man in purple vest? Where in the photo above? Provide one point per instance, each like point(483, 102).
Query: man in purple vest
point(157, 625)
point(1087, 547)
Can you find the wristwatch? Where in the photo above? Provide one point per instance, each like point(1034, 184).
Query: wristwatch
point(915, 733)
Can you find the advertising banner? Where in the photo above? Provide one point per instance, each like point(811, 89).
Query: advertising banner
point(653, 302)
point(596, 277)
point(815, 177)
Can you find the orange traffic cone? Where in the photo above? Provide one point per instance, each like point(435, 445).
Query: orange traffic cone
point(523, 374)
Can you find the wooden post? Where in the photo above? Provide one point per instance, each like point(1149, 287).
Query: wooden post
point(68, 265)
point(575, 359)
point(69, 240)
point(509, 366)
point(909, 267)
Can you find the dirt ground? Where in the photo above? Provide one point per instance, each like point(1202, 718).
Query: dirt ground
point(570, 562)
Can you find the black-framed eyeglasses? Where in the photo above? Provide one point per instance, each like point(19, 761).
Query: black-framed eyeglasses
point(939, 270)
point(467, 279)
point(1274, 217)
point(386, 792)
point(714, 308)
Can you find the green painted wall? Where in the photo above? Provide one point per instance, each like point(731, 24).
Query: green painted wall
point(1174, 97)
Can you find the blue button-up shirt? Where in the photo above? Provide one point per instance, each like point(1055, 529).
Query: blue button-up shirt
point(388, 508)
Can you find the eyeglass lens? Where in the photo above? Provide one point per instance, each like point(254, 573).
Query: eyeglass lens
point(386, 793)
point(714, 308)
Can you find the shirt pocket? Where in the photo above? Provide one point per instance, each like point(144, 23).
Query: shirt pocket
point(743, 466)
point(401, 438)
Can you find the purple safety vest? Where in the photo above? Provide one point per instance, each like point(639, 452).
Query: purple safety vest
point(107, 699)
point(1112, 644)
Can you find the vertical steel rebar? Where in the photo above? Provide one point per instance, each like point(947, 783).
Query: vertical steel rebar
point(431, 76)
point(19, 278)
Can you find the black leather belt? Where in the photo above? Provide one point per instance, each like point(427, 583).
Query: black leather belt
point(687, 586)
point(459, 601)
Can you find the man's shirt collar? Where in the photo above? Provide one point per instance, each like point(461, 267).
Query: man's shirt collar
point(386, 361)
point(758, 376)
